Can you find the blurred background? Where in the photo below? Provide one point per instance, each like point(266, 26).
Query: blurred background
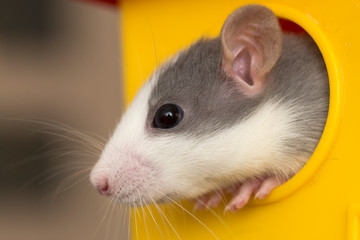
point(59, 62)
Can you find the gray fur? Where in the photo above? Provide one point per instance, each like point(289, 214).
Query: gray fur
point(212, 101)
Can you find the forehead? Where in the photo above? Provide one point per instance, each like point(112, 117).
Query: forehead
point(195, 67)
point(195, 81)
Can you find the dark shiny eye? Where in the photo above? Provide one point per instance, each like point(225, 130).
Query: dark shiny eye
point(168, 116)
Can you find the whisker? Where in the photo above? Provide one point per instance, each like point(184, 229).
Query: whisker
point(167, 220)
point(118, 210)
point(32, 158)
point(126, 212)
point(70, 186)
point(129, 220)
point(80, 141)
point(34, 179)
point(149, 209)
point(162, 219)
point(135, 220)
point(108, 203)
point(58, 126)
point(143, 213)
point(217, 216)
point(203, 224)
point(221, 194)
point(154, 44)
point(110, 220)
point(64, 169)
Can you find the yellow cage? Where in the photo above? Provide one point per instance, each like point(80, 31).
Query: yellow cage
point(323, 200)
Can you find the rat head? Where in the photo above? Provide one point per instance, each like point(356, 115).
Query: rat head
point(191, 127)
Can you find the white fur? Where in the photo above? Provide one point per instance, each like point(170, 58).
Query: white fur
point(128, 133)
point(181, 165)
point(240, 152)
point(185, 164)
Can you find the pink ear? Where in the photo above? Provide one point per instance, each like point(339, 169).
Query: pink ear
point(251, 42)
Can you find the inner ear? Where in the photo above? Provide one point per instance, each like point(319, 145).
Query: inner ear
point(251, 43)
point(241, 67)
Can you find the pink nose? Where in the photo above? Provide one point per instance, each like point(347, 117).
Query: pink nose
point(102, 185)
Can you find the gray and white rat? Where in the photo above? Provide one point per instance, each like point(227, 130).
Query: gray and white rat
point(241, 112)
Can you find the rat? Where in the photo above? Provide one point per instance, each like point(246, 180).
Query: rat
point(240, 113)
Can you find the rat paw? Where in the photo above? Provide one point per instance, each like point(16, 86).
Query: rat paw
point(259, 188)
point(267, 185)
point(209, 200)
point(241, 193)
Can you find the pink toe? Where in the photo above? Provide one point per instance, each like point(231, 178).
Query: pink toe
point(243, 195)
point(214, 200)
point(267, 186)
point(200, 202)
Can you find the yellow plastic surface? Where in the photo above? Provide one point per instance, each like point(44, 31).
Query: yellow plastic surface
point(323, 200)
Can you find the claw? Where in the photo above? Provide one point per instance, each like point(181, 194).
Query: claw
point(242, 196)
point(267, 186)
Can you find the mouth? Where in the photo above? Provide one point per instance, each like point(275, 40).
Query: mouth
point(132, 201)
point(135, 199)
